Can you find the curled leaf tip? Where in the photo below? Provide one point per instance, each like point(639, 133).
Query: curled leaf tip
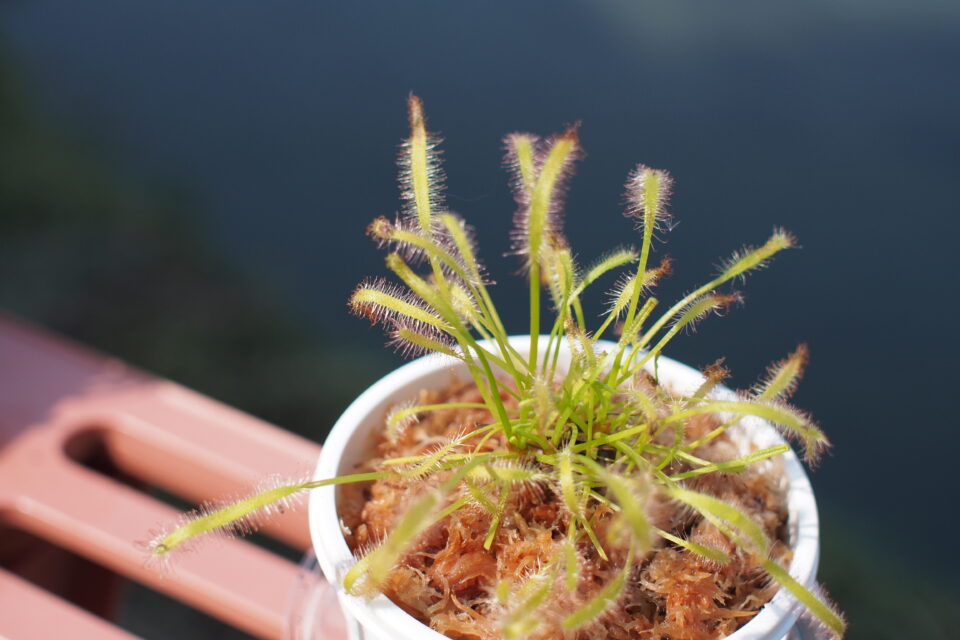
point(415, 112)
point(716, 371)
point(648, 196)
point(571, 133)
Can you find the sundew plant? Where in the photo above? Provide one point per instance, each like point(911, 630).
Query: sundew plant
point(591, 430)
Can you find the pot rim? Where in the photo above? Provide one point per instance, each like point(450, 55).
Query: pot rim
point(387, 620)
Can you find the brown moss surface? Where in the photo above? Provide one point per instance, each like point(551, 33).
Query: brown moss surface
point(447, 579)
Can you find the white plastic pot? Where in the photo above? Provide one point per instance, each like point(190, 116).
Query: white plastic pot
point(352, 440)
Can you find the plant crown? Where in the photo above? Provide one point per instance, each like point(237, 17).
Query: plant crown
point(588, 430)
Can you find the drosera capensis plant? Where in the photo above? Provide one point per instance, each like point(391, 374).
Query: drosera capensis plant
point(599, 433)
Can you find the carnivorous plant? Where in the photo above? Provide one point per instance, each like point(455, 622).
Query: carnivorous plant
point(593, 432)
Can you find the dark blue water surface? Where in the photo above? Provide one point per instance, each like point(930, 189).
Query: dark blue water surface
point(836, 119)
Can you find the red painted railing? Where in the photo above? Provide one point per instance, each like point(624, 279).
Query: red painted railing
point(80, 436)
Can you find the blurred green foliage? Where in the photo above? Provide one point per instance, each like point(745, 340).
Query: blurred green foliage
point(125, 269)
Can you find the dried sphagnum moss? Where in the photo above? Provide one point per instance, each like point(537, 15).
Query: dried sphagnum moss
point(447, 579)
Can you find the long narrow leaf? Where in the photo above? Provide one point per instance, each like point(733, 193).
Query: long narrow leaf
point(794, 421)
point(820, 609)
point(604, 599)
point(701, 550)
point(782, 377)
point(714, 509)
point(372, 569)
point(420, 168)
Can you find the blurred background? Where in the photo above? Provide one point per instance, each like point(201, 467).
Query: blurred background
point(186, 185)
